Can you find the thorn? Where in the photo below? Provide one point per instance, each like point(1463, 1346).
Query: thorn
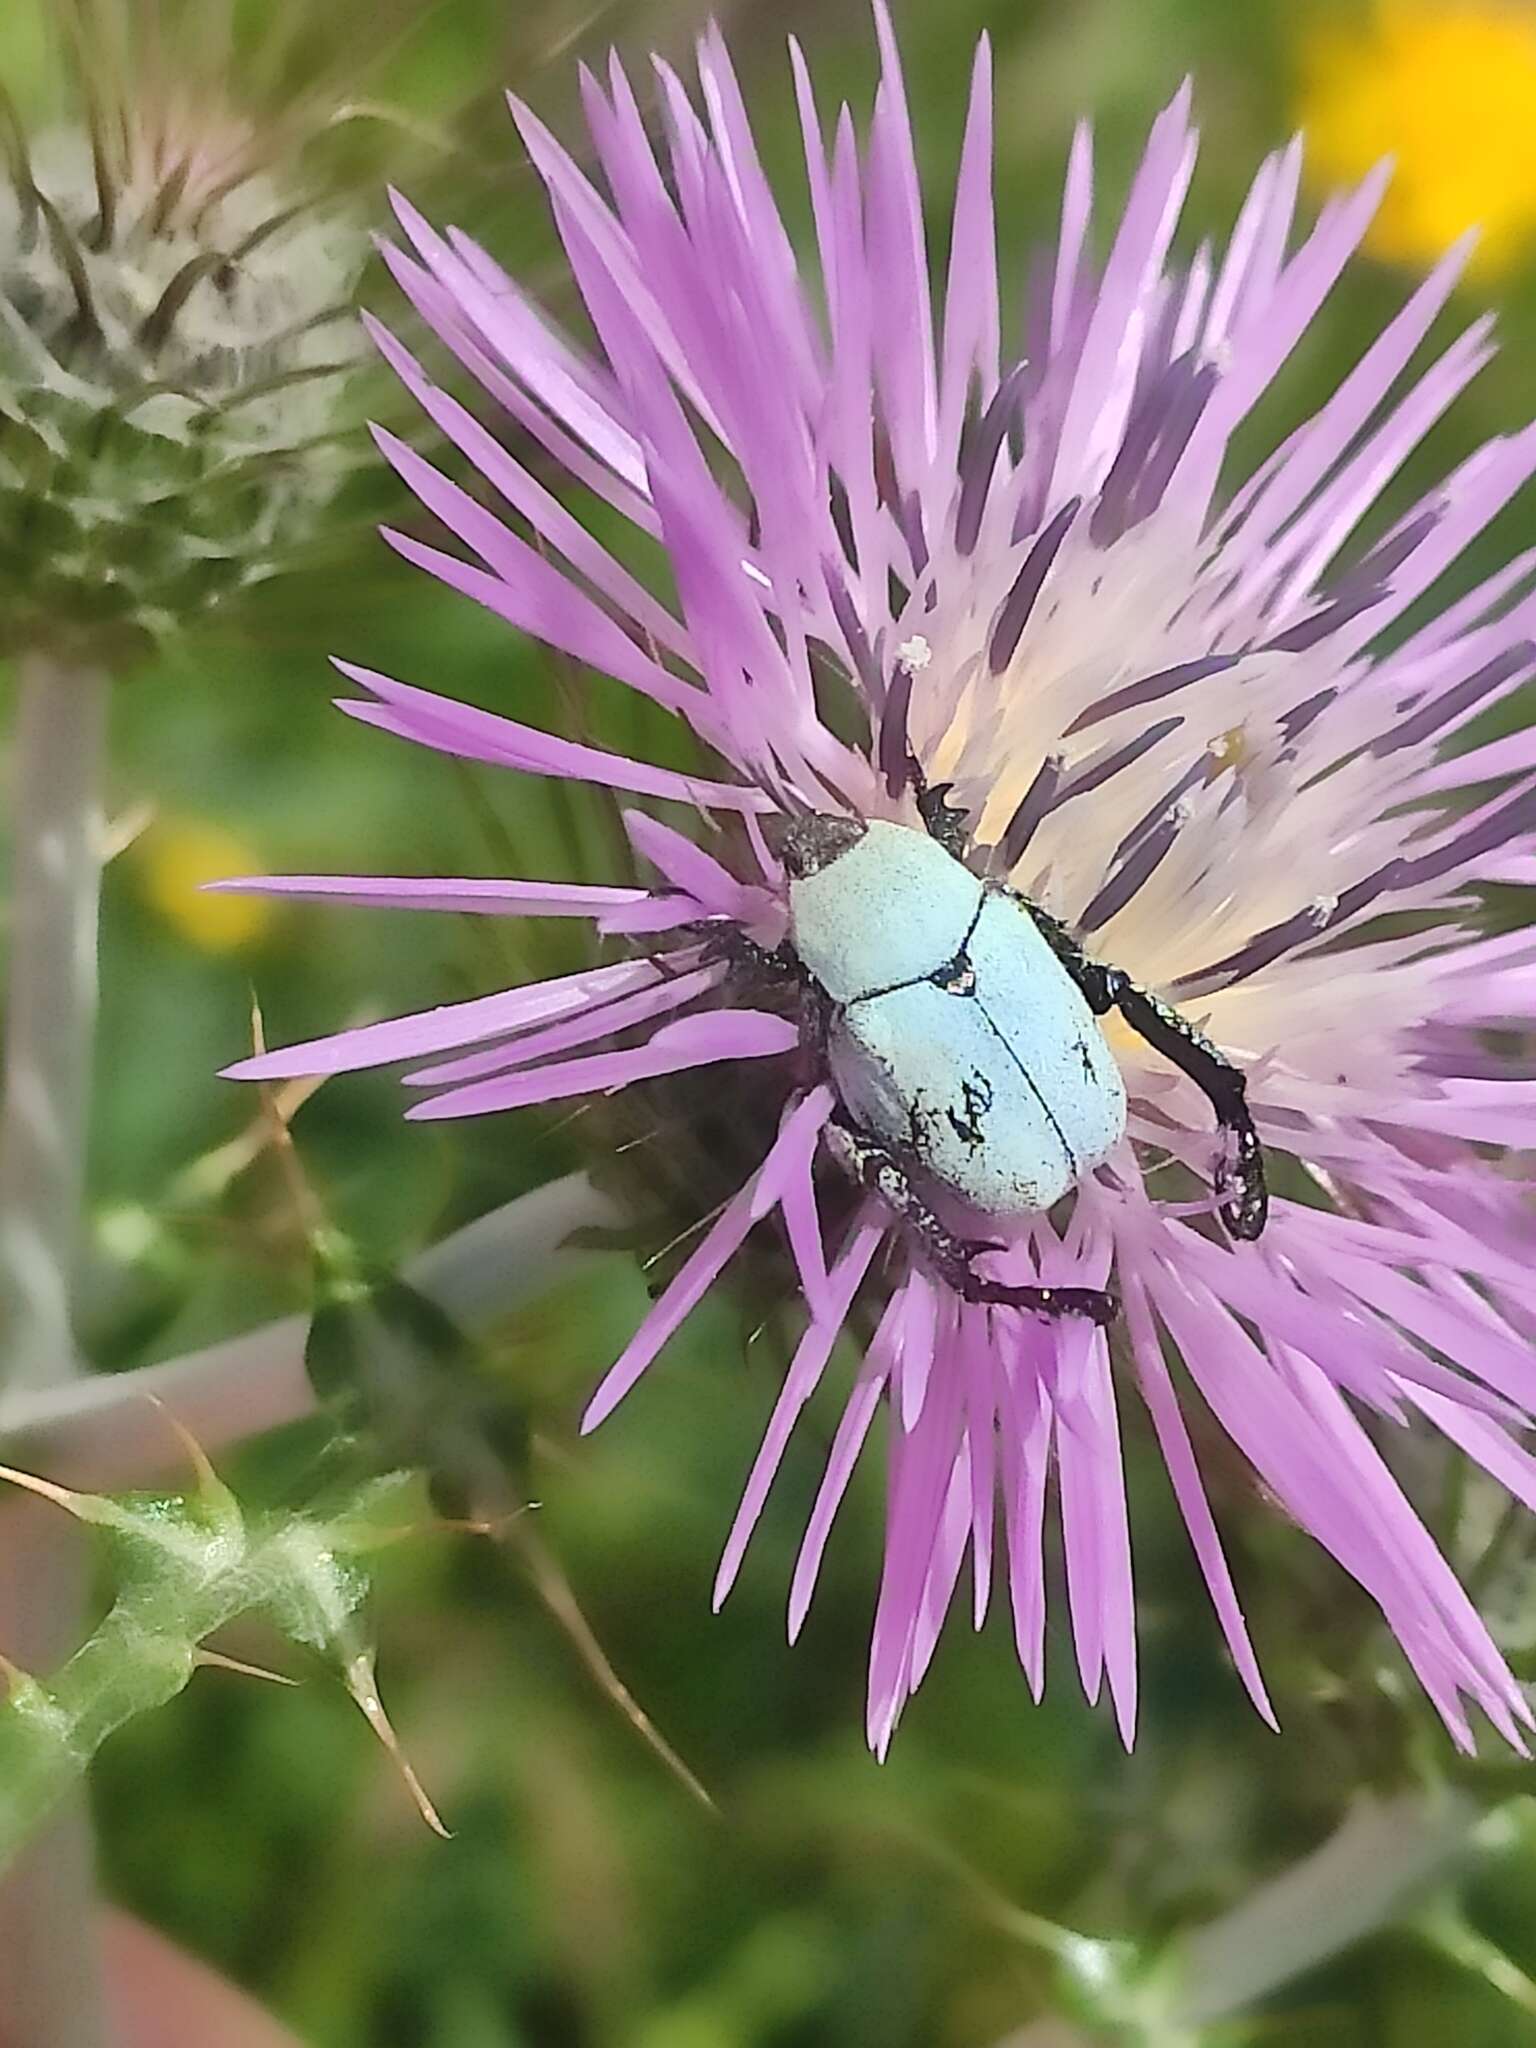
point(85, 1507)
point(277, 1106)
point(211, 1490)
point(485, 1525)
point(217, 1661)
point(448, 1525)
point(15, 1678)
point(558, 1595)
point(426, 132)
point(364, 1689)
point(125, 829)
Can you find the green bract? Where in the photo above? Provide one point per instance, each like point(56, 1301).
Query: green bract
point(184, 1567)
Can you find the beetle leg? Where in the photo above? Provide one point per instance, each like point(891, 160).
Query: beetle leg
point(780, 965)
point(770, 963)
point(881, 1170)
point(1225, 1087)
point(1100, 986)
point(941, 819)
point(1220, 1080)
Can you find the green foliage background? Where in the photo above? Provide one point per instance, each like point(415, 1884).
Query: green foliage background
point(585, 1901)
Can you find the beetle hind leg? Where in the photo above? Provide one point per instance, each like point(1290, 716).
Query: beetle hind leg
point(878, 1168)
point(1245, 1204)
point(1244, 1190)
point(1097, 1304)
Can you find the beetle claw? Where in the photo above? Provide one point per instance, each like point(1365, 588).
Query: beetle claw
point(1242, 1187)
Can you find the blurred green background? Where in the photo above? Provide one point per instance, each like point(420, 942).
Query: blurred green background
point(586, 1901)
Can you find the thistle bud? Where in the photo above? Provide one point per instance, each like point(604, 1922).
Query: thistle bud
point(173, 347)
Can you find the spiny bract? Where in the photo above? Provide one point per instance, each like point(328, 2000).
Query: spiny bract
point(171, 350)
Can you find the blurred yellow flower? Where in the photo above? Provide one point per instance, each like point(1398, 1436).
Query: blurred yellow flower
point(173, 860)
point(1447, 88)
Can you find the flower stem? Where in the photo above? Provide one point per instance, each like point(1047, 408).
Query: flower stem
point(1385, 1855)
point(57, 836)
point(105, 1431)
point(47, 1906)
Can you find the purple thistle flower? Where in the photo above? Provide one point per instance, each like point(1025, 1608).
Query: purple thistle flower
point(1162, 714)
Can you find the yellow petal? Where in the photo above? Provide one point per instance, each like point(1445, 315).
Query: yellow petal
point(175, 857)
point(1449, 91)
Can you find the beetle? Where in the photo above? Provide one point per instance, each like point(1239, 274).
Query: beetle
point(957, 1024)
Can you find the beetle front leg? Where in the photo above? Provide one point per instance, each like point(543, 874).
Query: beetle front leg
point(878, 1168)
point(1220, 1080)
point(779, 966)
point(942, 820)
point(730, 943)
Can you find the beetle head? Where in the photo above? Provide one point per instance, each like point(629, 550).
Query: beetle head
point(815, 841)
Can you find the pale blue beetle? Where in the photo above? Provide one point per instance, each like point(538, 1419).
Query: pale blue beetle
point(958, 1024)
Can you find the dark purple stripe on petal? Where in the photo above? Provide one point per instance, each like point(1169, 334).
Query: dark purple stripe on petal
point(887, 485)
point(841, 509)
point(1397, 874)
point(1462, 697)
point(1020, 601)
point(1098, 768)
point(1111, 515)
point(1033, 807)
point(1206, 769)
point(1151, 689)
point(1155, 437)
point(1326, 914)
point(1318, 625)
point(1294, 722)
point(895, 746)
point(1455, 1051)
point(851, 626)
point(1179, 426)
point(910, 520)
point(1156, 434)
point(1260, 951)
point(1136, 869)
point(1158, 356)
point(1516, 814)
point(978, 458)
point(1383, 562)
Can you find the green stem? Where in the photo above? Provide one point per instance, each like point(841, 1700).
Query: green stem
point(54, 1994)
point(48, 1737)
point(105, 1432)
point(1384, 1857)
point(47, 1919)
point(57, 835)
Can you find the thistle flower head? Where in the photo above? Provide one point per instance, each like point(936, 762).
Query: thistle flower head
point(171, 346)
point(1184, 724)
